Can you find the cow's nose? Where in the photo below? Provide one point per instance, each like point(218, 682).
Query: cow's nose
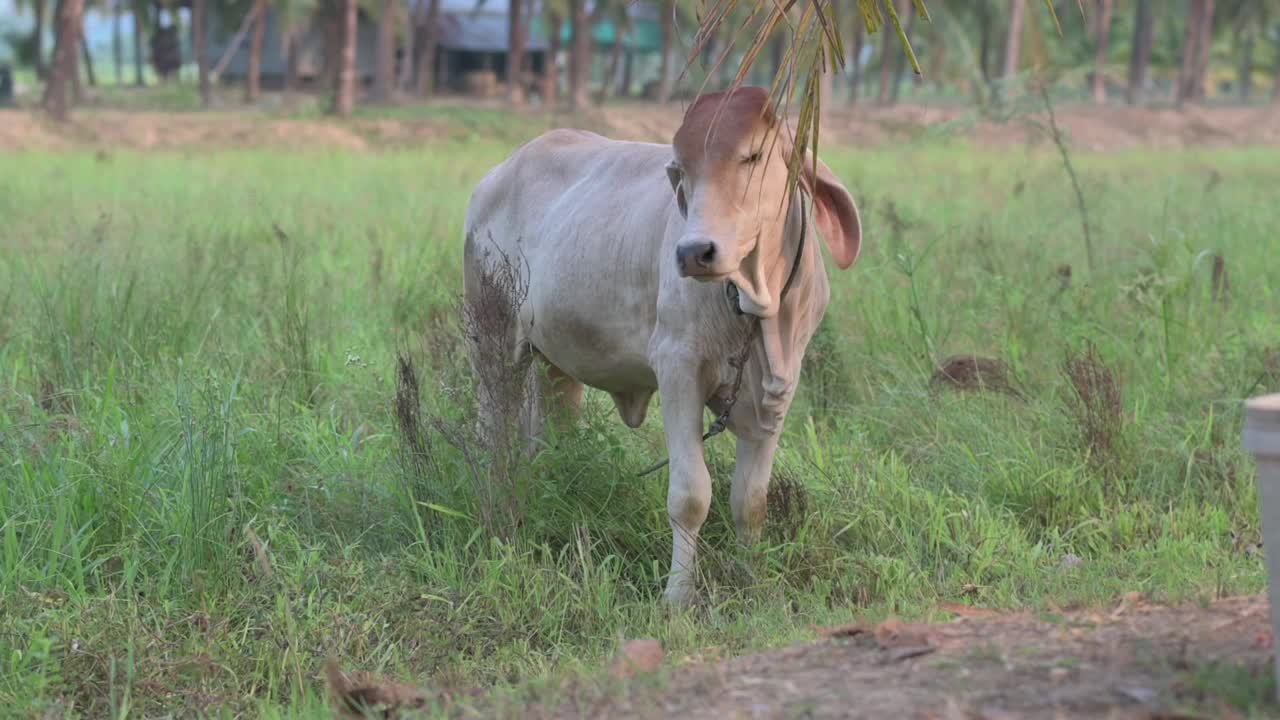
point(695, 255)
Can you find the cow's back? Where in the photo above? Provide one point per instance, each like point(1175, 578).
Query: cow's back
point(584, 220)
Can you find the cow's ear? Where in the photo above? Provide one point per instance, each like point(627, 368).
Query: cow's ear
point(676, 175)
point(834, 212)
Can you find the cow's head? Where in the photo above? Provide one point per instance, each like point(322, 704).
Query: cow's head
point(729, 176)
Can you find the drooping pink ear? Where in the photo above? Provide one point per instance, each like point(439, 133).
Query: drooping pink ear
point(834, 212)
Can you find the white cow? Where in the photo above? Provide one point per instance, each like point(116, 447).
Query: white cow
point(647, 267)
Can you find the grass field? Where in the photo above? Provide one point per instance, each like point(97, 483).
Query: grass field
point(205, 486)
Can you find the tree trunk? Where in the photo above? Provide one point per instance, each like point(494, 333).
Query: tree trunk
point(199, 46)
point(88, 57)
point(344, 98)
point(1246, 68)
point(516, 34)
point(777, 51)
point(1275, 81)
point(1100, 59)
point(384, 68)
point(37, 38)
point(139, 76)
point(611, 73)
point(331, 13)
point(253, 80)
point(984, 41)
point(427, 61)
point(1203, 45)
point(887, 39)
point(1140, 57)
point(579, 55)
point(624, 85)
point(68, 27)
point(117, 43)
point(1186, 75)
point(907, 8)
point(291, 61)
point(551, 66)
point(855, 66)
point(1013, 43)
point(412, 22)
point(668, 25)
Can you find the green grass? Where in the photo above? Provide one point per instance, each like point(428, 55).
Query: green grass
point(203, 490)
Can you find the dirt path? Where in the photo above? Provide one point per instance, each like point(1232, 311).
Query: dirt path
point(1097, 129)
point(1134, 661)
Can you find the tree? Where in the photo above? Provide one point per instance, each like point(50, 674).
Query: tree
point(517, 33)
point(427, 61)
point(86, 56)
point(117, 42)
point(37, 38)
point(68, 32)
point(253, 78)
point(139, 22)
point(1013, 42)
point(551, 67)
point(886, 67)
point(906, 10)
point(668, 25)
point(1195, 51)
point(385, 65)
point(1100, 61)
point(344, 95)
point(579, 54)
point(1140, 54)
point(855, 64)
point(199, 45)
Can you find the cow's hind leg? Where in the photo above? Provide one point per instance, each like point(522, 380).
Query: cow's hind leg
point(747, 496)
point(554, 400)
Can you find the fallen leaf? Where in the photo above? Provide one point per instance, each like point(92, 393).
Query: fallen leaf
point(843, 631)
point(908, 652)
point(367, 696)
point(1264, 640)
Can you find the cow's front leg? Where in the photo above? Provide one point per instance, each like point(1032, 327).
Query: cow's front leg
point(748, 496)
point(689, 491)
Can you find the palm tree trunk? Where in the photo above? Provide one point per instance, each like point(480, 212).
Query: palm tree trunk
point(117, 42)
point(61, 74)
point(668, 25)
point(88, 58)
point(384, 69)
point(1100, 60)
point(984, 41)
point(515, 53)
point(579, 55)
point(1202, 50)
point(1140, 57)
point(291, 44)
point(405, 80)
point(1275, 81)
point(199, 45)
point(253, 80)
point(551, 67)
point(1186, 75)
point(37, 38)
point(427, 62)
point(139, 75)
point(907, 8)
point(615, 55)
point(1246, 68)
point(344, 97)
point(887, 39)
point(855, 67)
point(1013, 43)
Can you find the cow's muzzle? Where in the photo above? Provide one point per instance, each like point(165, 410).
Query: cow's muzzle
point(696, 257)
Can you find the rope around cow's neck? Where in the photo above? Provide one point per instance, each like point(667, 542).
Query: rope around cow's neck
point(739, 361)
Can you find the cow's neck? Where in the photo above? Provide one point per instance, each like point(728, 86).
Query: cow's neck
point(779, 342)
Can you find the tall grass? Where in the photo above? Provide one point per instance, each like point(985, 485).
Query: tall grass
point(206, 484)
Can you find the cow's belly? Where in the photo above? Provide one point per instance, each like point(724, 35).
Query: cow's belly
point(591, 334)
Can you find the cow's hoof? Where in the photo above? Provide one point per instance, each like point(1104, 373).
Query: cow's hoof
point(680, 597)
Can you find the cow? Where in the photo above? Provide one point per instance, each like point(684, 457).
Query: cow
point(687, 269)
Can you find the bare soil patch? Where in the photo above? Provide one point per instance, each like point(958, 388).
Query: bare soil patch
point(1091, 128)
point(1131, 661)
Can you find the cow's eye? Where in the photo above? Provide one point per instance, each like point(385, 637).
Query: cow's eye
point(751, 159)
